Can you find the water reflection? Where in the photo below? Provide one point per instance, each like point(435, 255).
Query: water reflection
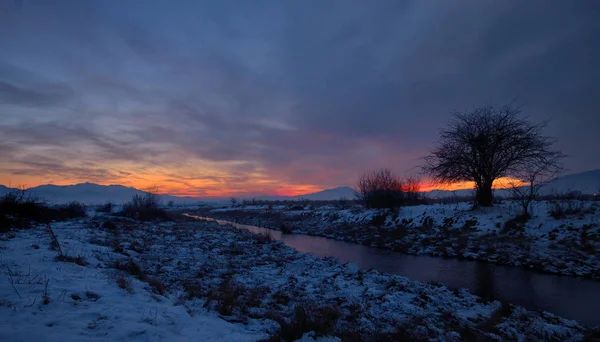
point(569, 297)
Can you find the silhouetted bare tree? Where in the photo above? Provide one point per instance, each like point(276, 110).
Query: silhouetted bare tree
point(536, 176)
point(485, 144)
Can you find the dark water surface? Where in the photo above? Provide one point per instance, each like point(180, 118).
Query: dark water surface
point(569, 297)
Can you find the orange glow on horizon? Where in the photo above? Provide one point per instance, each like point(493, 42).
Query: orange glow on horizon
point(159, 184)
point(254, 186)
point(500, 183)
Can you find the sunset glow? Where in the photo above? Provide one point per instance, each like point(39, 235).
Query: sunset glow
point(218, 184)
point(501, 183)
point(219, 187)
point(207, 99)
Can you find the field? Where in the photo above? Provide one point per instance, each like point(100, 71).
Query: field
point(108, 277)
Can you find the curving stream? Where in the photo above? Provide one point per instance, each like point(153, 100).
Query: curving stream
point(569, 297)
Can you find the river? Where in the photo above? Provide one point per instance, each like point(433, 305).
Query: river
point(569, 297)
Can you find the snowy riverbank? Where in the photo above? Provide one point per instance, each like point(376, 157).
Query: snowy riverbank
point(125, 280)
point(568, 245)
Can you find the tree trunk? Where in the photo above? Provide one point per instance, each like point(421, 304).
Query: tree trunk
point(484, 195)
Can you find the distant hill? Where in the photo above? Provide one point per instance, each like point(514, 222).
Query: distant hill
point(329, 194)
point(5, 190)
point(324, 195)
point(585, 182)
point(91, 193)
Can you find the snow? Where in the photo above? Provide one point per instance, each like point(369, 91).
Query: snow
point(224, 284)
point(75, 314)
point(567, 245)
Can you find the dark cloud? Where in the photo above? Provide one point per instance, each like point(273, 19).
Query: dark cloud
point(307, 92)
point(43, 166)
point(41, 95)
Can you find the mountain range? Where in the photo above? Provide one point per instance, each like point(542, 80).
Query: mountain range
point(585, 182)
point(92, 193)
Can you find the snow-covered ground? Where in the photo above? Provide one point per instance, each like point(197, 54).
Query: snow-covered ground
point(569, 244)
point(46, 300)
point(120, 279)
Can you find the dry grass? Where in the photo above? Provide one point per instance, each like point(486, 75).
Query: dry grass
point(79, 260)
point(124, 283)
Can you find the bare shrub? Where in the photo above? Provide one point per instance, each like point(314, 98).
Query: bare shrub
point(129, 266)
point(380, 189)
point(320, 319)
point(18, 210)
point(45, 296)
point(231, 298)
point(516, 224)
point(92, 296)
point(105, 208)
point(7, 304)
point(193, 288)
point(73, 209)
point(536, 175)
point(264, 238)
point(559, 209)
point(158, 286)
point(79, 260)
point(124, 283)
point(145, 207)
point(286, 229)
point(110, 225)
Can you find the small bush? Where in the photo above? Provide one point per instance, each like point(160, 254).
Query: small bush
point(231, 298)
point(559, 209)
point(516, 224)
point(382, 189)
point(8, 304)
point(129, 266)
point(92, 296)
point(378, 220)
point(285, 229)
point(320, 319)
point(76, 209)
point(264, 238)
point(105, 208)
point(5, 223)
point(193, 289)
point(157, 286)
point(79, 260)
point(19, 210)
point(144, 207)
point(110, 225)
point(124, 283)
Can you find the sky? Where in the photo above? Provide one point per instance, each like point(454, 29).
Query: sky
point(209, 98)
